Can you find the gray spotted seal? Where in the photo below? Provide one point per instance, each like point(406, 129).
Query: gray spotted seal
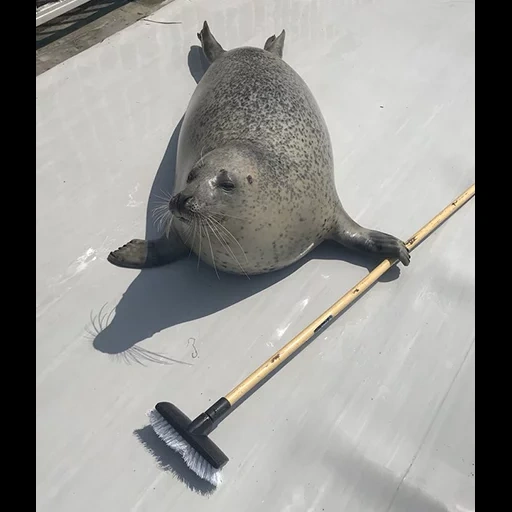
point(254, 188)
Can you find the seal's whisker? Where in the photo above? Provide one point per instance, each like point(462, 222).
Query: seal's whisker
point(158, 218)
point(158, 209)
point(225, 243)
point(211, 249)
point(166, 195)
point(163, 221)
point(200, 239)
point(227, 215)
point(191, 231)
point(167, 223)
point(161, 201)
point(159, 214)
point(162, 208)
point(218, 235)
point(168, 220)
point(226, 230)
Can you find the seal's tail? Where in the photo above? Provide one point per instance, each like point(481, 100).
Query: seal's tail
point(190, 438)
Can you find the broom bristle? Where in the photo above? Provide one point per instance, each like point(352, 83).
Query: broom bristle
point(195, 461)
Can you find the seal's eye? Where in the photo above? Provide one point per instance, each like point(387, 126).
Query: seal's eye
point(224, 181)
point(191, 176)
point(227, 185)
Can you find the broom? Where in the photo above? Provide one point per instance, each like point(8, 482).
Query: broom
point(190, 438)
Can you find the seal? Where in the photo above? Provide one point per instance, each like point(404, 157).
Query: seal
point(254, 187)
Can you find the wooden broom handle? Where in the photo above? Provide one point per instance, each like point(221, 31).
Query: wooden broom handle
point(292, 346)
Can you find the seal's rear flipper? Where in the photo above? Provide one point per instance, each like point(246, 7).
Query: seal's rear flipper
point(141, 254)
point(212, 49)
point(275, 44)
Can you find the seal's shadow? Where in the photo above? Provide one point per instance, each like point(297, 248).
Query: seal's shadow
point(162, 297)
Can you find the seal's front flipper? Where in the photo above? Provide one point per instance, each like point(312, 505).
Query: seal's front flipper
point(353, 236)
point(212, 49)
point(275, 44)
point(141, 254)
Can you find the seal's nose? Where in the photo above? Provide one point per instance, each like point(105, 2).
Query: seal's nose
point(179, 202)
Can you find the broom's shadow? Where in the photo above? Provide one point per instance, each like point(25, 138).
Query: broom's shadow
point(169, 460)
point(166, 296)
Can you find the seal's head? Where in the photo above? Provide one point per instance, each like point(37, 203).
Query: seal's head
point(220, 184)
